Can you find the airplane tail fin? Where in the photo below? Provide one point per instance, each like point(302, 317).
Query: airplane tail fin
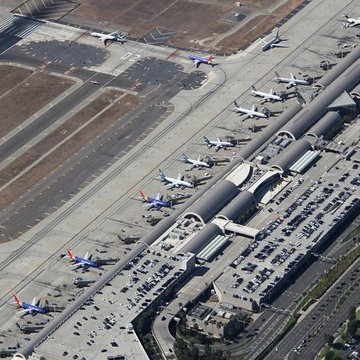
point(17, 300)
point(70, 254)
point(277, 33)
point(161, 174)
point(277, 76)
point(346, 16)
point(143, 195)
point(236, 104)
point(210, 58)
point(253, 87)
point(206, 140)
point(185, 157)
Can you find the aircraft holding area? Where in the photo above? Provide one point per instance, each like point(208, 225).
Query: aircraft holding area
point(274, 42)
point(218, 144)
point(29, 308)
point(197, 60)
point(199, 163)
point(82, 262)
point(113, 37)
point(350, 22)
point(248, 112)
point(172, 182)
point(291, 81)
point(270, 96)
point(155, 203)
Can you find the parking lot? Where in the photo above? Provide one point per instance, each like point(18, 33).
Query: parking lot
point(114, 308)
point(292, 225)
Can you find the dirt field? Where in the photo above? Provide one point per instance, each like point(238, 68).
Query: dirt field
point(195, 24)
point(29, 97)
point(66, 150)
point(11, 76)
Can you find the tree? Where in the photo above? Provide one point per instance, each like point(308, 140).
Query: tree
point(330, 355)
point(329, 339)
point(352, 327)
point(352, 313)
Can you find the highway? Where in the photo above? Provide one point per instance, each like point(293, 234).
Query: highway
point(102, 153)
point(325, 318)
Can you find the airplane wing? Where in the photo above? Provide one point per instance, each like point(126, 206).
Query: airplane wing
point(86, 257)
point(279, 45)
point(24, 312)
point(149, 205)
point(75, 266)
point(169, 186)
point(158, 196)
point(196, 63)
point(180, 177)
point(244, 117)
point(33, 301)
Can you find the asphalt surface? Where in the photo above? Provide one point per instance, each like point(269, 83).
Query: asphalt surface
point(325, 318)
point(270, 323)
point(159, 80)
point(13, 29)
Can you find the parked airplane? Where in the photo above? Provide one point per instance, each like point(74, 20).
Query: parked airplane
point(114, 36)
point(351, 22)
point(248, 112)
point(172, 182)
point(84, 262)
point(155, 203)
point(270, 96)
point(199, 163)
point(218, 144)
point(274, 42)
point(292, 81)
point(32, 308)
point(197, 60)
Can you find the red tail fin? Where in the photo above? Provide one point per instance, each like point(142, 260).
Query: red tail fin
point(71, 255)
point(143, 195)
point(210, 58)
point(17, 299)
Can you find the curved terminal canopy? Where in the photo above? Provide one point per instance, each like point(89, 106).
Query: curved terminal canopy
point(324, 126)
point(290, 155)
point(261, 187)
point(239, 207)
point(240, 174)
point(208, 233)
point(214, 200)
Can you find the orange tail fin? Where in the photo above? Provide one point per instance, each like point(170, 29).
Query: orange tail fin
point(71, 255)
point(17, 299)
point(143, 195)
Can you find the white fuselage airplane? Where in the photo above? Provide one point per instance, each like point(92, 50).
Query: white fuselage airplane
point(292, 81)
point(218, 144)
point(199, 163)
point(172, 182)
point(351, 22)
point(248, 112)
point(274, 42)
point(105, 38)
point(270, 96)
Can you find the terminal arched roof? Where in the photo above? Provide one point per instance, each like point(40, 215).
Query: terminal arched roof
point(241, 204)
point(325, 124)
point(290, 155)
point(201, 239)
point(210, 204)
